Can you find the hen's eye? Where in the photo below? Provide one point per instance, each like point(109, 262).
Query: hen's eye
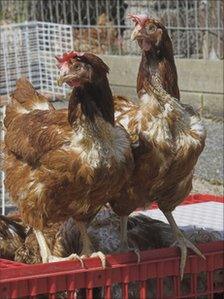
point(151, 28)
point(76, 67)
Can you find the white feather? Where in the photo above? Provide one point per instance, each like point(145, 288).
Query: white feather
point(41, 106)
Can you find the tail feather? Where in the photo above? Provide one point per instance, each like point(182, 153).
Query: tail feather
point(28, 97)
point(12, 236)
point(24, 100)
point(13, 225)
point(147, 233)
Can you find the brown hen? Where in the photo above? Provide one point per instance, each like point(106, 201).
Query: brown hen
point(69, 162)
point(167, 136)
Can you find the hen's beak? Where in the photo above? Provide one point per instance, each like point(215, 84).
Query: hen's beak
point(64, 78)
point(60, 81)
point(136, 32)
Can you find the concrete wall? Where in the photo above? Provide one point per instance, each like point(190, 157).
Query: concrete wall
point(200, 81)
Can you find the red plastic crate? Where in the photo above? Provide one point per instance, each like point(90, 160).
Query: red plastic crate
point(157, 269)
point(196, 198)
point(19, 280)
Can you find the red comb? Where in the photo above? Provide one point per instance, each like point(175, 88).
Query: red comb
point(140, 19)
point(68, 56)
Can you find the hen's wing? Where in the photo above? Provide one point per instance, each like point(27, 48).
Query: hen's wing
point(127, 115)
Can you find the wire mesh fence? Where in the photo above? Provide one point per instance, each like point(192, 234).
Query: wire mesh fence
point(28, 49)
point(101, 26)
point(18, 55)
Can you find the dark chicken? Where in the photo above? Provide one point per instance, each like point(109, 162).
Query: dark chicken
point(65, 163)
point(167, 136)
point(64, 239)
point(143, 233)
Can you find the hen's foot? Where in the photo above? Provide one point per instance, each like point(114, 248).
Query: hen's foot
point(137, 252)
point(124, 247)
point(45, 252)
point(87, 250)
point(98, 254)
point(71, 257)
point(183, 243)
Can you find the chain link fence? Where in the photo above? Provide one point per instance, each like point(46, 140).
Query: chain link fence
point(101, 26)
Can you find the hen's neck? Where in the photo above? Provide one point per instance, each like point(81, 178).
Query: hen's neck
point(161, 66)
point(151, 62)
point(91, 101)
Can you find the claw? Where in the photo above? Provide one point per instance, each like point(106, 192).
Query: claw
point(101, 256)
point(137, 252)
point(71, 257)
point(126, 248)
point(183, 243)
point(75, 256)
point(98, 254)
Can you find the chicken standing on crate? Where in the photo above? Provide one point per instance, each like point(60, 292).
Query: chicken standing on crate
point(167, 136)
point(68, 162)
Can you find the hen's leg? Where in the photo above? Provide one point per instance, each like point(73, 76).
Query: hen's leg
point(87, 249)
point(45, 252)
point(124, 237)
point(182, 242)
point(124, 233)
point(44, 249)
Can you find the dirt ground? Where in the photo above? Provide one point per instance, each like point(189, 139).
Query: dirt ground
point(209, 169)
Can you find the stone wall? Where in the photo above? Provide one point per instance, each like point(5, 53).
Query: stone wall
point(200, 81)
